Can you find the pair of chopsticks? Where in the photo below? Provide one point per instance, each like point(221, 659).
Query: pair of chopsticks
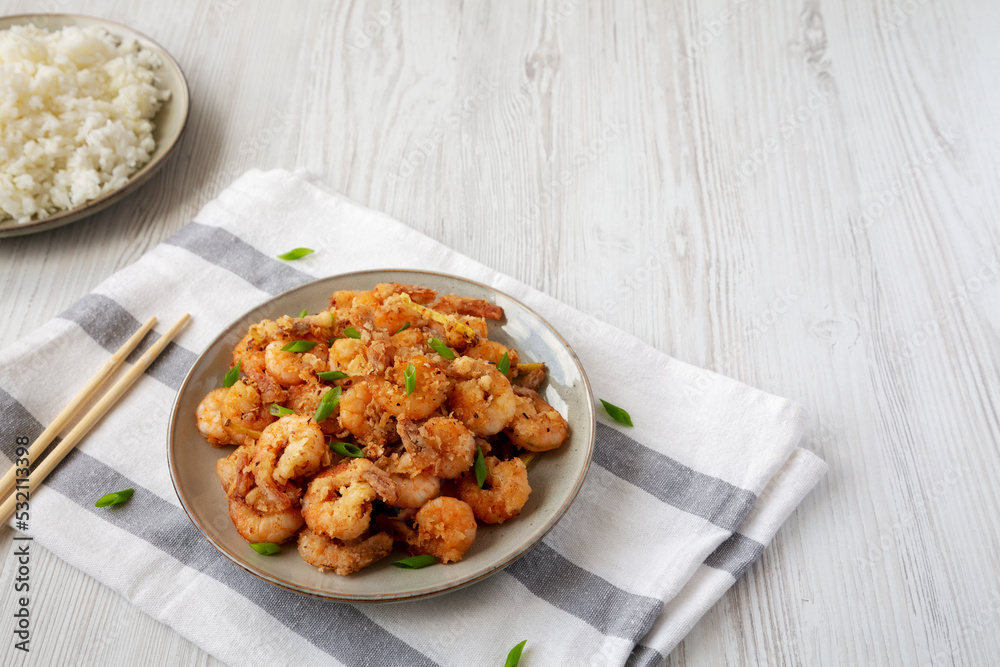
point(94, 415)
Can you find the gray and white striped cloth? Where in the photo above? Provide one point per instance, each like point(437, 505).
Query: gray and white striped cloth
point(672, 512)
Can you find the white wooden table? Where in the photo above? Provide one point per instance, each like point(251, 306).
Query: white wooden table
point(801, 195)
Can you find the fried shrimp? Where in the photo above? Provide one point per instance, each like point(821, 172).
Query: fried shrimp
point(384, 308)
point(249, 355)
point(255, 525)
point(292, 368)
point(232, 415)
point(429, 393)
point(452, 304)
point(288, 449)
point(209, 418)
point(417, 412)
point(441, 446)
point(338, 503)
point(482, 399)
point(362, 417)
point(536, 426)
point(243, 413)
point(493, 352)
point(234, 471)
point(349, 355)
point(343, 557)
point(504, 493)
point(446, 528)
point(413, 487)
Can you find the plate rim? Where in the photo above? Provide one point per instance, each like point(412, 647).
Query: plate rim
point(426, 592)
point(11, 228)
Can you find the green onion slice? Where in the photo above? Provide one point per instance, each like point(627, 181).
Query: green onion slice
point(297, 253)
point(617, 413)
point(327, 404)
point(299, 346)
point(441, 348)
point(410, 377)
point(266, 548)
point(347, 449)
point(406, 325)
point(504, 364)
point(116, 498)
point(303, 313)
point(232, 375)
point(351, 332)
point(479, 467)
point(330, 376)
point(279, 410)
point(514, 656)
point(415, 562)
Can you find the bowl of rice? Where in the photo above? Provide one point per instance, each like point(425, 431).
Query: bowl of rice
point(89, 111)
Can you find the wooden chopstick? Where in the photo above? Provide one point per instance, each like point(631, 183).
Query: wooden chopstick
point(94, 415)
point(99, 378)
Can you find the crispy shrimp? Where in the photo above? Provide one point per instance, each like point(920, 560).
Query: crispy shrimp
point(370, 425)
point(343, 557)
point(413, 487)
point(234, 473)
point(290, 448)
point(493, 352)
point(338, 503)
point(243, 413)
point(482, 399)
point(460, 331)
point(429, 393)
point(452, 304)
point(536, 426)
point(349, 355)
point(446, 528)
point(292, 368)
point(255, 525)
point(441, 446)
point(209, 417)
point(384, 308)
point(232, 415)
point(249, 354)
point(504, 492)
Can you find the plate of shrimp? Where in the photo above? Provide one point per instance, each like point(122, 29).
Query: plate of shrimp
point(365, 418)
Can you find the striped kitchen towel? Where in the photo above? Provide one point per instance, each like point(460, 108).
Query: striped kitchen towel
point(672, 511)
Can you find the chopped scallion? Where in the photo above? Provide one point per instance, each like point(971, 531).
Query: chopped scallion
point(514, 656)
point(410, 377)
point(266, 548)
point(327, 404)
point(297, 253)
point(406, 325)
point(299, 346)
point(330, 376)
point(479, 467)
point(351, 332)
point(116, 498)
point(617, 413)
point(279, 410)
point(232, 375)
point(415, 562)
point(504, 364)
point(347, 449)
point(441, 348)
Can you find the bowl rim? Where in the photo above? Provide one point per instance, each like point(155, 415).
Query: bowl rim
point(9, 228)
point(425, 592)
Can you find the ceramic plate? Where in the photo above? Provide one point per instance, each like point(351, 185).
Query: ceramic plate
point(170, 120)
point(555, 476)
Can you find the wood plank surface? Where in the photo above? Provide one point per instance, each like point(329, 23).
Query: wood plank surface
point(799, 194)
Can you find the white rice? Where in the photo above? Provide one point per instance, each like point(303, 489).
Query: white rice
point(76, 110)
